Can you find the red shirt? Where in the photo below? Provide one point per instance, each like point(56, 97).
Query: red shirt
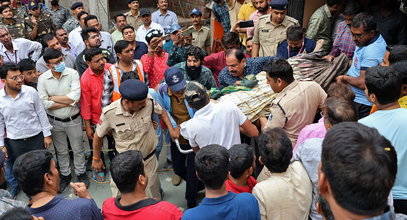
point(162, 210)
point(155, 67)
point(91, 95)
point(216, 62)
point(251, 182)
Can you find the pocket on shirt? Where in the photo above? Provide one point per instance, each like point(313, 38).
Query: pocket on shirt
point(124, 132)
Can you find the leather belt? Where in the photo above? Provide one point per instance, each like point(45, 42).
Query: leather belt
point(149, 155)
point(66, 119)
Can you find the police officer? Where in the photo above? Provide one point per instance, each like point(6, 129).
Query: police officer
point(73, 22)
point(39, 23)
point(59, 14)
point(271, 29)
point(14, 24)
point(129, 120)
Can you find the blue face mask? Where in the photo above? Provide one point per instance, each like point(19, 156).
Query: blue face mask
point(60, 67)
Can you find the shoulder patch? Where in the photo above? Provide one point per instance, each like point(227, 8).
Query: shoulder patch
point(264, 17)
point(291, 19)
point(108, 108)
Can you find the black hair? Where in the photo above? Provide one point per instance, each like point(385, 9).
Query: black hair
point(212, 166)
point(401, 67)
point(397, 53)
point(88, 18)
point(7, 67)
point(385, 82)
point(231, 38)
point(119, 15)
point(127, 27)
point(195, 52)
point(201, 103)
point(238, 53)
point(352, 157)
point(80, 15)
point(51, 53)
point(129, 75)
point(351, 8)
point(339, 110)
point(3, 7)
point(121, 45)
point(241, 158)
point(341, 90)
point(275, 149)
point(91, 52)
point(325, 208)
point(249, 39)
point(46, 38)
point(279, 68)
point(36, 162)
point(59, 28)
point(85, 32)
point(125, 169)
point(26, 64)
point(331, 3)
point(17, 213)
point(365, 20)
point(295, 33)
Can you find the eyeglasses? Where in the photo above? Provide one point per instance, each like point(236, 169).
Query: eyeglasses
point(15, 78)
point(358, 35)
point(58, 62)
point(95, 36)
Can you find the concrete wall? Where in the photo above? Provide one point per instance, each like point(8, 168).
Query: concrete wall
point(309, 8)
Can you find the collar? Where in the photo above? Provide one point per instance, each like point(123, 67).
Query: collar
point(219, 200)
point(131, 15)
point(207, 107)
point(22, 91)
point(14, 21)
point(161, 14)
point(119, 108)
point(135, 206)
point(48, 74)
point(288, 87)
point(16, 46)
point(387, 215)
point(285, 22)
point(170, 93)
point(374, 39)
point(327, 12)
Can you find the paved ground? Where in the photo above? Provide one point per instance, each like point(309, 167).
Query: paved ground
point(101, 191)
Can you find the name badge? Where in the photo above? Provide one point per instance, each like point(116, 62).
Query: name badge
point(264, 31)
point(121, 124)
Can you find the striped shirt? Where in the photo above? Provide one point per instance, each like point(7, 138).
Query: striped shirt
point(343, 42)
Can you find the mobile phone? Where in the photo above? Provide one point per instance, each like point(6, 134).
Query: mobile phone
point(188, 31)
point(246, 24)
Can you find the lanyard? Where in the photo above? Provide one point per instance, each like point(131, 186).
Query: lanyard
point(15, 57)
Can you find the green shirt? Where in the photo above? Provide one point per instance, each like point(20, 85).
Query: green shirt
point(206, 77)
point(320, 27)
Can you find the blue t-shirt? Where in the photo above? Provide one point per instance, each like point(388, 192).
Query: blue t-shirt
point(141, 49)
point(230, 206)
point(392, 124)
point(363, 58)
point(60, 208)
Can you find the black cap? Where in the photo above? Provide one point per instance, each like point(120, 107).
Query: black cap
point(175, 78)
point(133, 89)
point(144, 11)
point(279, 4)
point(76, 5)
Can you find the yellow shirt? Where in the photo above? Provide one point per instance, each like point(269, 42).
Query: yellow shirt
point(245, 11)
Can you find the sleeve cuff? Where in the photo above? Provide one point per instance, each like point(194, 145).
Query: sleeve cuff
point(46, 133)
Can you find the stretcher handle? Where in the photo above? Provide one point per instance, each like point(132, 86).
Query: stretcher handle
point(180, 149)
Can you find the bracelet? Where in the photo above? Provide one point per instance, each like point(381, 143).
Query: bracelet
point(96, 158)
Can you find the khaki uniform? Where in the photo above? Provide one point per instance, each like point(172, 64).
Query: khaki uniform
point(134, 21)
point(16, 29)
point(134, 132)
point(295, 107)
point(268, 36)
point(201, 38)
point(45, 25)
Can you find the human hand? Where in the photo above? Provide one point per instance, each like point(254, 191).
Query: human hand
point(34, 20)
point(341, 79)
point(47, 142)
point(97, 165)
point(80, 190)
point(175, 133)
point(90, 132)
point(329, 58)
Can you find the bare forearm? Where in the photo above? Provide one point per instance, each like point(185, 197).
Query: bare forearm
point(97, 145)
point(62, 99)
point(356, 81)
point(33, 33)
point(255, 51)
point(58, 106)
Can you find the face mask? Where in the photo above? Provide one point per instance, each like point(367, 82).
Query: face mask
point(54, 2)
point(60, 67)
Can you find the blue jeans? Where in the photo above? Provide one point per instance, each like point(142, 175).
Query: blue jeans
point(11, 181)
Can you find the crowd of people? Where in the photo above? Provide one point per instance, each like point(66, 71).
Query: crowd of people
point(338, 153)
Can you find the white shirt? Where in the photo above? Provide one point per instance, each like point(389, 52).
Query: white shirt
point(23, 116)
point(214, 124)
point(67, 85)
point(142, 31)
point(23, 48)
point(76, 40)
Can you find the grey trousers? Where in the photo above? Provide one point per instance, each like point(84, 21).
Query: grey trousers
point(72, 130)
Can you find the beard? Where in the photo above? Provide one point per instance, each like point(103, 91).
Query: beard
point(193, 72)
point(263, 9)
